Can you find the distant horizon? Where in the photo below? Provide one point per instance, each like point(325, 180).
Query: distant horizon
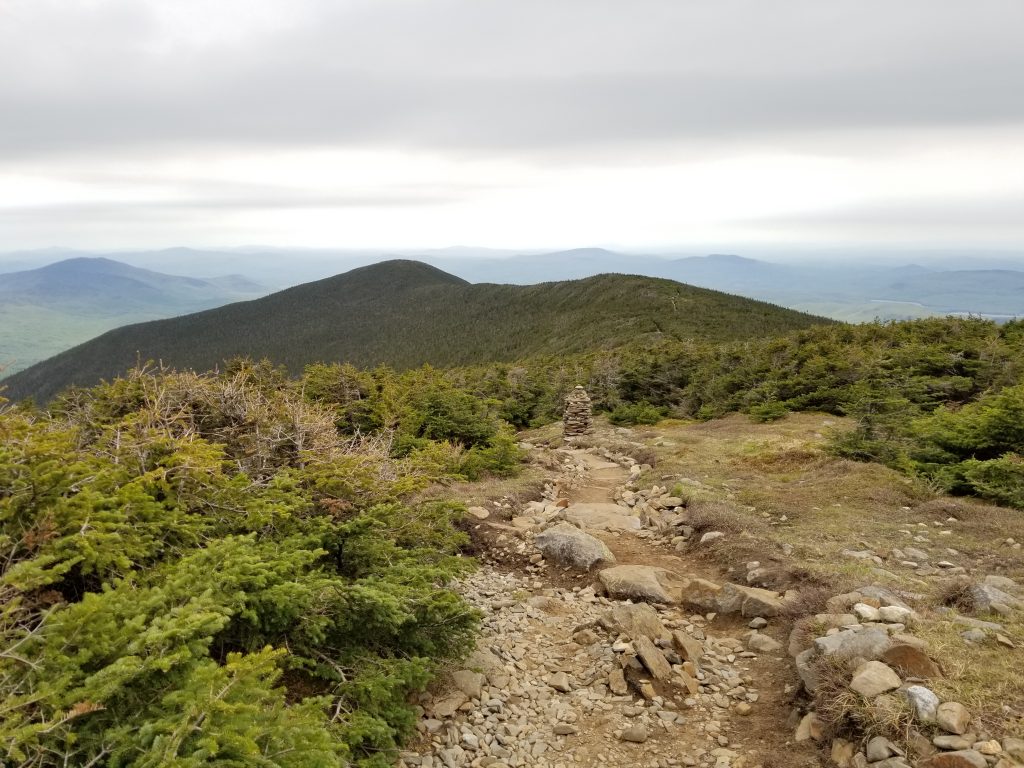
point(882, 255)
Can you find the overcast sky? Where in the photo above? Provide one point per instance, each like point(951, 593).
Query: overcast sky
point(518, 124)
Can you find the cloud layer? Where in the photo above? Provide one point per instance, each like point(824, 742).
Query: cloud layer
point(138, 109)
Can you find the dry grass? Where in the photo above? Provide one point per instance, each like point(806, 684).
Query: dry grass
point(704, 516)
point(845, 712)
point(526, 486)
point(956, 593)
point(810, 600)
point(820, 505)
point(987, 677)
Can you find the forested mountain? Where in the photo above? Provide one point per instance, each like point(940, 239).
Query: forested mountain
point(47, 310)
point(406, 313)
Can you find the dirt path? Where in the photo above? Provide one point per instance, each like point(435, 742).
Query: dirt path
point(558, 681)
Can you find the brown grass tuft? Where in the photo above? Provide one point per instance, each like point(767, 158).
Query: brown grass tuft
point(845, 712)
point(704, 516)
point(810, 600)
point(956, 593)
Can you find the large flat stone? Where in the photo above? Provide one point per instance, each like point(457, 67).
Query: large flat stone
point(748, 601)
point(874, 678)
point(641, 582)
point(598, 516)
point(867, 643)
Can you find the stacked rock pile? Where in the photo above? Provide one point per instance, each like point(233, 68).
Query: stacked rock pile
point(578, 413)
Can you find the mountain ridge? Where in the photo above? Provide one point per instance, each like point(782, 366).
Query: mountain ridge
point(51, 308)
point(405, 313)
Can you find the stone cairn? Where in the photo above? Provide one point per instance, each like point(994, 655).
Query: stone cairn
point(577, 416)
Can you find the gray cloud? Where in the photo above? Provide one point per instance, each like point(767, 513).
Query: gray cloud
point(112, 108)
point(518, 76)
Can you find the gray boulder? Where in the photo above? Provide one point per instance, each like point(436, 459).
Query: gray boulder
point(566, 544)
point(641, 582)
point(868, 644)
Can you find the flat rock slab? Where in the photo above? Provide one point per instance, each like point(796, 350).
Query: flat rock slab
point(641, 582)
point(874, 678)
point(599, 516)
point(652, 658)
point(867, 643)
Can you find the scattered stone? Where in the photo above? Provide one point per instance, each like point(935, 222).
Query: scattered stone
point(566, 544)
point(480, 513)
point(564, 729)
point(560, 682)
point(637, 734)
point(986, 597)
point(953, 717)
point(469, 682)
point(952, 742)
point(758, 623)
point(873, 678)
point(652, 658)
point(701, 594)
point(968, 621)
point(866, 612)
point(924, 701)
point(810, 728)
point(878, 749)
point(1001, 582)
point(867, 643)
point(763, 643)
point(1014, 747)
point(635, 619)
point(617, 682)
point(690, 648)
point(711, 536)
point(743, 708)
point(842, 752)
point(449, 705)
point(894, 614)
point(883, 595)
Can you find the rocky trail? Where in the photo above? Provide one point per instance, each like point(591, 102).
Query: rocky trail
point(567, 676)
point(608, 640)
